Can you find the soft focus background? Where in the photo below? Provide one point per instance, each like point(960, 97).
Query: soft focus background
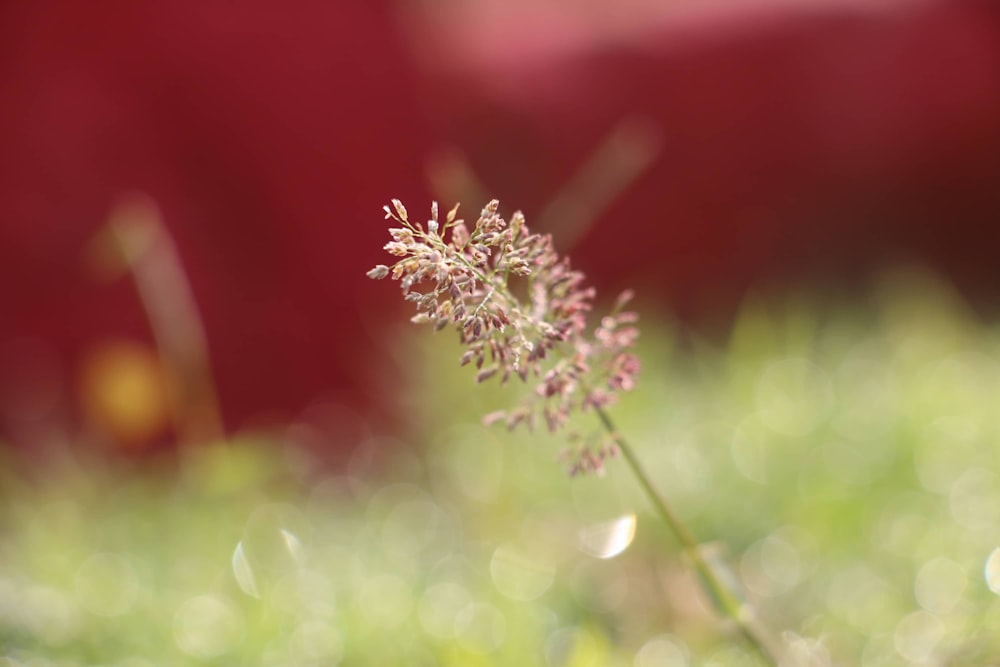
point(223, 443)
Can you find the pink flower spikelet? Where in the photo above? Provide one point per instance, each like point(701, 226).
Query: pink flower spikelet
point(520, 311)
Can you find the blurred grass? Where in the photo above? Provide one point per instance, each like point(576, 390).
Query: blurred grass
point(838, 458)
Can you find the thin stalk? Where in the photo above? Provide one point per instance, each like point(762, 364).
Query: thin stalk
point(725, 601)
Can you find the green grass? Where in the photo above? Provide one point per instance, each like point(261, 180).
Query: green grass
point(839, 459)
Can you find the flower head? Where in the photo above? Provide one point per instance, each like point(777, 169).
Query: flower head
point(520, 311)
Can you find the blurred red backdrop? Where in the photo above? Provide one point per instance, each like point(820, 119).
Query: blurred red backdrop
point(695, 149)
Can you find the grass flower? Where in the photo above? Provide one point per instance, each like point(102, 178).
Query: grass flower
point(521, 312)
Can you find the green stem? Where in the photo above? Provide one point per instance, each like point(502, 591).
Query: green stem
point(725, 601)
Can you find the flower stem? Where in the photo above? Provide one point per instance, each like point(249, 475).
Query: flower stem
point(724, 599)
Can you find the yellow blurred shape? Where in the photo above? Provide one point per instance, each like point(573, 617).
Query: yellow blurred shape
point(123, 392)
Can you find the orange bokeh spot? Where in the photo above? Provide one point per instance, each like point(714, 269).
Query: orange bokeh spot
point(123, 392)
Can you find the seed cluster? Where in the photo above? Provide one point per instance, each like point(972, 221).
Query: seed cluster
point(520, 311)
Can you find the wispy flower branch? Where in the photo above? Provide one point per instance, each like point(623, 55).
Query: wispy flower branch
point(520, 311)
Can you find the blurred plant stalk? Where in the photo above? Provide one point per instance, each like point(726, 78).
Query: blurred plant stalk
point(725, 600)
point(136, 242)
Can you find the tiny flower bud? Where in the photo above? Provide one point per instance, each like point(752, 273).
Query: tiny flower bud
point(515, 417)
point(624, 298)
point(551, 421)
point(486, 373)
point(379, 272)
point(459, 234)
point(400, 209)
point(395, 248)
point(494, 417)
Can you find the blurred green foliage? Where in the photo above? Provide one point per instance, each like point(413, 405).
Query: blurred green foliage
point(840, 462)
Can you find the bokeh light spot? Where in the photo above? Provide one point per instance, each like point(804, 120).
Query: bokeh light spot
point(106, 584)
point(480, 628)
point(244, 573)
point(608, 539)
point(942, 460)
point(207, 626)
point(269, 549)
point(992, 571)
point(863, 599)
point(475, 462)
point(520, 575)
point(917, 635)
point(49, 615)
point(305, 592)
point(123, 390)
point(794, 396)
point(316, 642)
point(439, 607)
point(975, 500)
point(662, 651)
point(771, 566)
point(413, 526)
point(939, 585)
point(386, 600)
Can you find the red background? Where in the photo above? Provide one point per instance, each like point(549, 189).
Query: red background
point(812, 141)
